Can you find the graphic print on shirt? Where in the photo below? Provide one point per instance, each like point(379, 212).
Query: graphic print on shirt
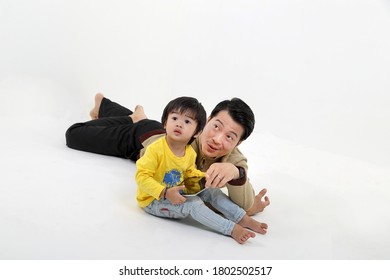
point(172, 178)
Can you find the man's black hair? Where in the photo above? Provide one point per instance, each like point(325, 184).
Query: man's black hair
point(240, 113)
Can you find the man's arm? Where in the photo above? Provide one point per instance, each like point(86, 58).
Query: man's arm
point(232, 172)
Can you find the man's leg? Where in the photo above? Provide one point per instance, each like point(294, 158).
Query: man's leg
point(114, 130)
point(107, 136)
point(104, 107)
point(112, 136)
point(109, 108)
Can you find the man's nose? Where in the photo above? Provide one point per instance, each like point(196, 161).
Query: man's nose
point(217, 138)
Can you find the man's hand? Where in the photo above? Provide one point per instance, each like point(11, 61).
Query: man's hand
point(220, 173)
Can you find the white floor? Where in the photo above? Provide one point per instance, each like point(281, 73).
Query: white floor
point(316, 74)
point(58, 203)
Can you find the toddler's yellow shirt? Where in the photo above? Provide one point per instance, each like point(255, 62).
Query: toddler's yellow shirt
point(159, 168)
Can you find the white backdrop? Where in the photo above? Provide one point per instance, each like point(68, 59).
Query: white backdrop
point(316, 74)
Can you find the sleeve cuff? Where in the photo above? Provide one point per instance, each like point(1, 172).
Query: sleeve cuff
point(241, 180)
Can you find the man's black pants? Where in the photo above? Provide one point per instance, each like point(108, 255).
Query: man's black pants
point(113, 133)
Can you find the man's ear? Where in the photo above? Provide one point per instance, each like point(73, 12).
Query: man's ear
point(239, 142)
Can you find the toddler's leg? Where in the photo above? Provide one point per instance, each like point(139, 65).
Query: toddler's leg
point(241, 234)
point(195, 207)
point(248, 222)
point(204, 215)
point(232, 211)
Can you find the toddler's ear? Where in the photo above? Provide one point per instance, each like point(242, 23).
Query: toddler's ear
point(196, 135)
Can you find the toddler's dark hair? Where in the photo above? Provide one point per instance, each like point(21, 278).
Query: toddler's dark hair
point(186, 104)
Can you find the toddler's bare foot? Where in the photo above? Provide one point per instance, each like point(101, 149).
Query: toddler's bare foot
point(94, 113)
point(259, 204)
point(241, 235)
point(248, 222)
point(138, 114)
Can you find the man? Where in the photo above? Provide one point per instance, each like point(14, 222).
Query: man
point(117, 131)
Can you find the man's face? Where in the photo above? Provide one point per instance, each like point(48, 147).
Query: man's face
point(220, 135)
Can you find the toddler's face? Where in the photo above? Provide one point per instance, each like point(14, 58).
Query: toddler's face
point(180, 126)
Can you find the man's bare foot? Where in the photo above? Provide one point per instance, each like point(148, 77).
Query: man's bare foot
point(94, 113)
point(138, 114)
point(259, 204)
point(248, 222)
point(241, 235)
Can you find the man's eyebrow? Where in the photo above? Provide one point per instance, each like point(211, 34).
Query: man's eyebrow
point(231, 131)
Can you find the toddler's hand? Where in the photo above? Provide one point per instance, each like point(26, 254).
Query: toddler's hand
point(174, 196)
